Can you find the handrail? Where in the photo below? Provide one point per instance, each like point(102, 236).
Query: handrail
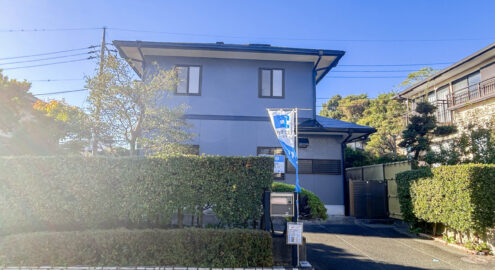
point(472, 92)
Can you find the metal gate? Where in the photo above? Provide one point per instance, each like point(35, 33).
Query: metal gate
point(373, 190)
point(368, 199)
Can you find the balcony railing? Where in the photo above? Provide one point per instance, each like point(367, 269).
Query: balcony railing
point(473, 93)
point(442, 113)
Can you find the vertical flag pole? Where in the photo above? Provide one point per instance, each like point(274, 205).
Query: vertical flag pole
point(295, 248)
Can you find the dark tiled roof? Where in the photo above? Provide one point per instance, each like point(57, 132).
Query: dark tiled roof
point(324, 123)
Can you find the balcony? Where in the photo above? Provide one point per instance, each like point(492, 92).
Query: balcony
point(473, 93)
point(442, 113)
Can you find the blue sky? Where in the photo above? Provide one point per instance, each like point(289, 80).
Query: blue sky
point(371, 33)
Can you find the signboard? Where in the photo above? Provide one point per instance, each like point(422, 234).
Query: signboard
point(294, 233)
point(282, 204)
point(279, 165)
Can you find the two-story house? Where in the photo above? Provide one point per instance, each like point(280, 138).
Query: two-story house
point(228, 88)
point(464, 92)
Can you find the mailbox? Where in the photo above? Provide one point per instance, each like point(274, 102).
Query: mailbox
point(282, 204)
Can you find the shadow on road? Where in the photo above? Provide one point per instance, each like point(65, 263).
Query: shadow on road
point(324, 257)
point(385, 232)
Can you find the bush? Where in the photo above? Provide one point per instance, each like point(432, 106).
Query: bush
point(121, 247)
point(75, 193)
point(459, 196)
point(310, 206)
point(404, 180)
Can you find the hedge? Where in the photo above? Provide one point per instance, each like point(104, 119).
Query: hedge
point(459, 196)
point(310, 206)
point(404, 180)
point(122, 247)
point(76, 193)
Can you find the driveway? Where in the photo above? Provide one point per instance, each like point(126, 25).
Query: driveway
point(346, 244)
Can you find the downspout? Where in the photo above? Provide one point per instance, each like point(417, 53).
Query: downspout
point(346, 185)
point(314, 83)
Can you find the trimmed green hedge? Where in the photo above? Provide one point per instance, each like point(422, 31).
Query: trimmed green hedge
point(121, 247)
point(310, 206)
point(404, 180)
point(76, 193)
point(459, 196)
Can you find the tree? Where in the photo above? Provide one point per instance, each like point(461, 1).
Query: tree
point(417, 76)
point(134, 112)
point(386, 115)
point(69, 124)
point(15, 102)
point(416, 138)
point(349, 109)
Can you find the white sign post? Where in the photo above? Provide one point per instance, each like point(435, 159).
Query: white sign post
point(294, 233)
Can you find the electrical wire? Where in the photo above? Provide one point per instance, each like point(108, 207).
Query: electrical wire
point(399, 70)
point(49, 53)
point(61, 92)
point(49, 64)
point(48, 29)
point(56, 80)
point(364, 77)
point(46, 58)
point(396, 65)
point(308, 39)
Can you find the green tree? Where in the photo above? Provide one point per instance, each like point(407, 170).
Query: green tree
point(417, 76)
point(15, 102)
point(416, 138)
point(349, 108)
point(132, 111)
point(386, 115)
point(70, 124)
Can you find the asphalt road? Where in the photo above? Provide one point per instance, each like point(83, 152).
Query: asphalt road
point(347, 245)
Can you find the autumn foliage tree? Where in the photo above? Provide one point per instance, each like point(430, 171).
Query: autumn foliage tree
point(133, 112)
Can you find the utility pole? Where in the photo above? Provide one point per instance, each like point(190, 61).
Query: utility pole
point(96, 130)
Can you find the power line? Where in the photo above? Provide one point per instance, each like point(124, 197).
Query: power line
point(49, 64)
point(397, 65)
point(365, 77)
point(308, 39)
point(61, 92)
point(49, 53)
point(47, 29)
point(56, 80)
point(399, 70)
point(46, 58)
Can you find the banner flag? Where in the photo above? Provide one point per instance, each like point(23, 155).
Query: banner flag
point(284, 124)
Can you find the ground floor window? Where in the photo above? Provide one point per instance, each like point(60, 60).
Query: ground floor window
point(317, 166)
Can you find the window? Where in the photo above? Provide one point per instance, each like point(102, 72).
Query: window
point(271, 151)
point(431, 97)
point(189, 80)
point(317, 166)
point(271, 83)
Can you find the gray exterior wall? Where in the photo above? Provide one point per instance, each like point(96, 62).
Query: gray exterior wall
point(230, 88)
point(329, 188)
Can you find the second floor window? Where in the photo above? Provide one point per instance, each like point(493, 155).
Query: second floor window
point(271, 83)
point(189, 80)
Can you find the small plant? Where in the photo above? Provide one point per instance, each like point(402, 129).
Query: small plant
point(415, 230)
point(469, 245)
point(482, 247)
point(448, 239)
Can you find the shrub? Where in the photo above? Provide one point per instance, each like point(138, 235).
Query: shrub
point(310, 206)
point(74, 193)
point(459, 196)
point(404, 180)
point(122, 247)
